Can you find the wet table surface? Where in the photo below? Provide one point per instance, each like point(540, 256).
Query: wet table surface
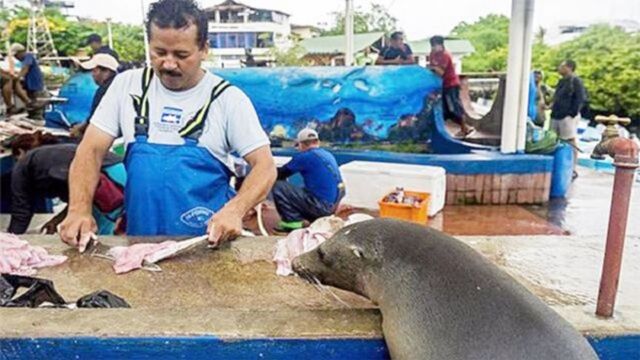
point(234, 292)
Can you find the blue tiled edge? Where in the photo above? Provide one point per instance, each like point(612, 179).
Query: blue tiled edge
point(461, 164)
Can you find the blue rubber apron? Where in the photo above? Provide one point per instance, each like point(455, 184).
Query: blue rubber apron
point(173, 189)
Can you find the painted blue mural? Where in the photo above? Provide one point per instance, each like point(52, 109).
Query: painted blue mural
point(344, 103)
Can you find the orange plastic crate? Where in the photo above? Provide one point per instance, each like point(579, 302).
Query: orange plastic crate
point(418, 215)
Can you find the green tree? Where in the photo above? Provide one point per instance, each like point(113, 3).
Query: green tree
point(490, 37)
point(69, 36)
point(292, 56)
point(376, 18)
point(608, 61)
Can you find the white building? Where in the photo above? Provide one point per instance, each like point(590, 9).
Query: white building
point(235, 27)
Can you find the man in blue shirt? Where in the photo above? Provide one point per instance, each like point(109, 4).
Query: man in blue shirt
point(397, 53)
point(323, 184)
point(33, 79)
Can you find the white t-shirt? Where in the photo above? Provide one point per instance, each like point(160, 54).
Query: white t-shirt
point(232, 124)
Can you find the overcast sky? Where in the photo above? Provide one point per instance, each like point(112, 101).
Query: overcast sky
point(418, 18)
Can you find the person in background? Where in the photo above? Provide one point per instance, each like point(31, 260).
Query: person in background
point(33, 81)
point(397, 53)
point(568, 100)
point(94, 41)
point(41, 171)
point(323, 184)
point(249, 60)
point(104, 68)
point(441, 62)
point(9, 88)
point(543, 97)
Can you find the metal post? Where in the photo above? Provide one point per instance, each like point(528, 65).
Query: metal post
point(109, 33)
point(348, 30)
point(146, 36)
point(625, 153)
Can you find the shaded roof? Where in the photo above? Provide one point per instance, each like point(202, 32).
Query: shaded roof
point(336, 44)
point(234, 5)
point(455, 46)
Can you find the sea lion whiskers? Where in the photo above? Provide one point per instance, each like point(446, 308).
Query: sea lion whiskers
point(322, 289)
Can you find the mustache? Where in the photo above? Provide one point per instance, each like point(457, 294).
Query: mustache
point(170, 73)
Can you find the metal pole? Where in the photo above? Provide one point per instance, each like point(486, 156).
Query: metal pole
point(348, 30)
point(109, 33)
point(146, 36)
point(626, 163)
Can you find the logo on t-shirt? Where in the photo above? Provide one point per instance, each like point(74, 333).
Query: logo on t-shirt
point(197, 217)
point(171, 115)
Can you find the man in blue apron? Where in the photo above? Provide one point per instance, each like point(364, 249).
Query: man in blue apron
point(180, 124)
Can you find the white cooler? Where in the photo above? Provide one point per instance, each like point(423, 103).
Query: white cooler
point(367, 182)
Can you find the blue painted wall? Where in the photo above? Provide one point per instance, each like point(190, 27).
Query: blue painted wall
point(460, 164)
point(610, 348)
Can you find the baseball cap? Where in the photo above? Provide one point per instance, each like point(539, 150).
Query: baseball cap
point(103, 60)
point(16, 48)
point(306, 135)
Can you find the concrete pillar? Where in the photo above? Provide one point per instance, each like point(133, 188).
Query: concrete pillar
point(514, 121)
point(348, 29)
point(525, 75)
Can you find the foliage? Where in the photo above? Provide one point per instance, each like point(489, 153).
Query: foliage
point(490, 37)
point(608, 60)
point(69, 36)
point(377, 18)
point(292, 56)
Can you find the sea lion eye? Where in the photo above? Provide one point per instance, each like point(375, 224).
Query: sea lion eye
point(321, 254)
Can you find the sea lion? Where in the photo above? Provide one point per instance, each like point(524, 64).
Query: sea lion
point(439, 298)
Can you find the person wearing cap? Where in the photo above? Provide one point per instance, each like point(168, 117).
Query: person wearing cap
point(32, 78)
point(94, 41)
point(104, 68)
point(180, 124)
point(323, 184)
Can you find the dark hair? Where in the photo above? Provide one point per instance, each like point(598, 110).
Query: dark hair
point(436, 40)
point(26, 142)
point(178, 14)
point(397, 35)
point(570, 64)
point(93, 38)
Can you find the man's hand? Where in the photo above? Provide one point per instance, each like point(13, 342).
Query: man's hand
point(224, 226)
point(77, 229)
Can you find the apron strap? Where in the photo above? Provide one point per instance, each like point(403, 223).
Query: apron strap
point(141, 104)
point(193, 128)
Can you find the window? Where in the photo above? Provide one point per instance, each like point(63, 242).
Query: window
point(240, 40)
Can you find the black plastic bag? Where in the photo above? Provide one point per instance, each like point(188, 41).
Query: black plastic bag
point(42, 291)
point(39, 291)
point(102, 299)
